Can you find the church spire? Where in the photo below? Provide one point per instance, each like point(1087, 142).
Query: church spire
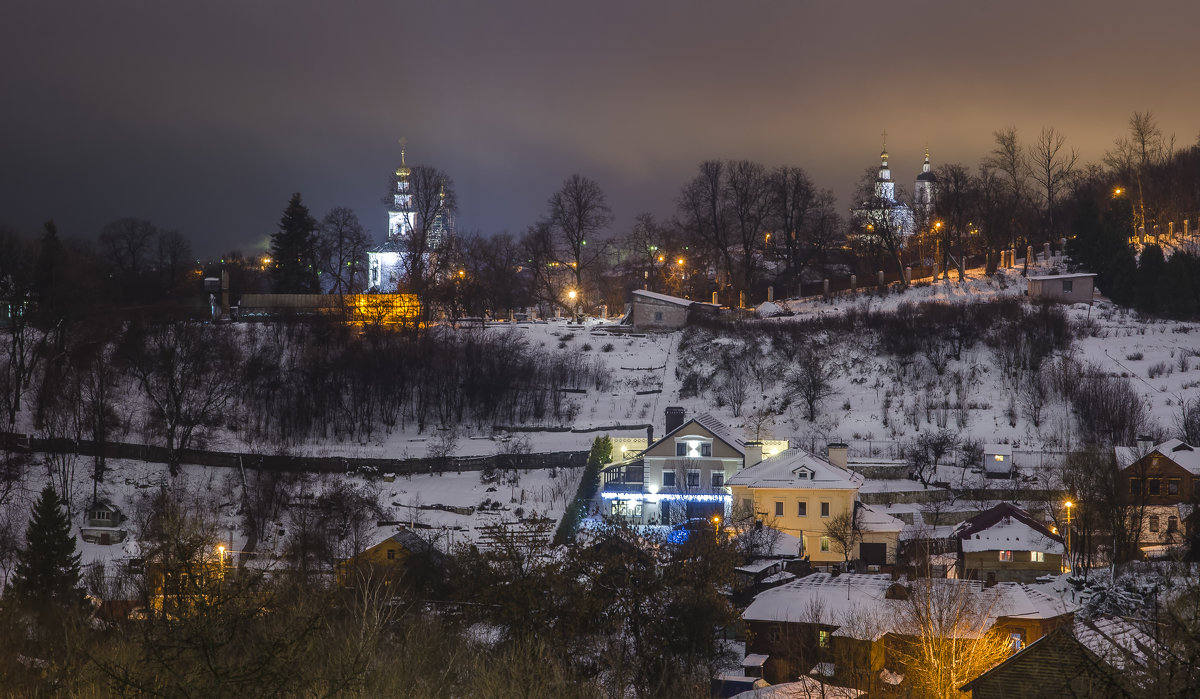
point(403, 171)
point(925, 167)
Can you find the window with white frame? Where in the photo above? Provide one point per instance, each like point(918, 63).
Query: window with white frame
point(824, 509)
point(718, 479)
point(1037, 557)
point(802, 508)
point(824, 544)
point(668, 478)
point(693, 478)
point(1006, 556)
point(779, 508)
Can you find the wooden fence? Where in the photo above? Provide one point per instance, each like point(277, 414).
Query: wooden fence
point(287, 462)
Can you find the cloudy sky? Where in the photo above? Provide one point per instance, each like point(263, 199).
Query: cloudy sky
point(206, 116)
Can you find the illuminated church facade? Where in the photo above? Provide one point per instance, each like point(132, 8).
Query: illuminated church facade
point(386, 261)
point(885, 211)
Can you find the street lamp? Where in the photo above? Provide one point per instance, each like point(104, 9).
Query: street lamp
point(716, 520)
point(1069, 505)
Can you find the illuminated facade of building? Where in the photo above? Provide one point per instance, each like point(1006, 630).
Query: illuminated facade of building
point(385, 262)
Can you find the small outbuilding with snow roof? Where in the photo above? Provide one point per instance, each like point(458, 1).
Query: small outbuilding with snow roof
point(654, 311)
point(1007, 544)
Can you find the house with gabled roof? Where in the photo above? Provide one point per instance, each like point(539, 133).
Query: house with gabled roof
point(1007, 544)
point(800, 493)
point(850, 625)
point(681, 476)
point(1160, 479)
point(1104, 658)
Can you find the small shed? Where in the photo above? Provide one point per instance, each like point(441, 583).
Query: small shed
point(1063, 288)
point(104, 521)
point(655, 311)
point(997, 460)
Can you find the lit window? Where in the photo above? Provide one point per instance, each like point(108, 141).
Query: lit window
point(823, 638)
point(1037, 557)
point(802, 509)
point(998, 457)
point(825, 544)
point(824, 509)
point(668, 478)
point(779, 509)
point(1006, 556)
point(718, 479)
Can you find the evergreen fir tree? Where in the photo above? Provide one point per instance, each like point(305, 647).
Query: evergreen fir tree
point(48, 566)
point(293, 251)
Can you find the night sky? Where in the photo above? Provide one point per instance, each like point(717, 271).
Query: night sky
point(206, 116)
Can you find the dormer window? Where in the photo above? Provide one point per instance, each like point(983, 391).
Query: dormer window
point(803, 474)
point(693, 448)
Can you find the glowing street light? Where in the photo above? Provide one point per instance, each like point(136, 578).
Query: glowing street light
point(571, 294)
point(716, 520)
point(1069, 505)
point(1117, 191)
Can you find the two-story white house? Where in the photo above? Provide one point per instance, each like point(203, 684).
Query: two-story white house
point(682, 475)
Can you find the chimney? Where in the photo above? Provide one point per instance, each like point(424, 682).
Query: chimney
point(649, 435)
point(674, 418)
point(837, 453)
point(753, 454)
point(1144, 444)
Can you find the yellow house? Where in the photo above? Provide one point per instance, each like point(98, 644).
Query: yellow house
point(388, 558)
point(800, 494)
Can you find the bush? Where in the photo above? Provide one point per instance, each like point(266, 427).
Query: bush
point(1136, 356)
point(608, 347)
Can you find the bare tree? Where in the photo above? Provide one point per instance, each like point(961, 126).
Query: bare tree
point(1052, 168)
point(1132, 155)
point(812, 377)
point(342, 250)
point(577, 213)
point(705, 219)
point(844, 532)
point(747, 197)
point(948, 636)
point(186, 372)
point(1187, 421)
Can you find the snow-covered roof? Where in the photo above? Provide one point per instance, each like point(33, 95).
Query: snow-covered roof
point(655, 296)
point(1007, 527)
point(1005, 449)
point(1177, 450)
point(1116, 641)
point(1075, 275)
point(804, 687)
point(859, 605)
point(754, 660)
point(759, 566)
point(796, 469)
point(872, 520)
